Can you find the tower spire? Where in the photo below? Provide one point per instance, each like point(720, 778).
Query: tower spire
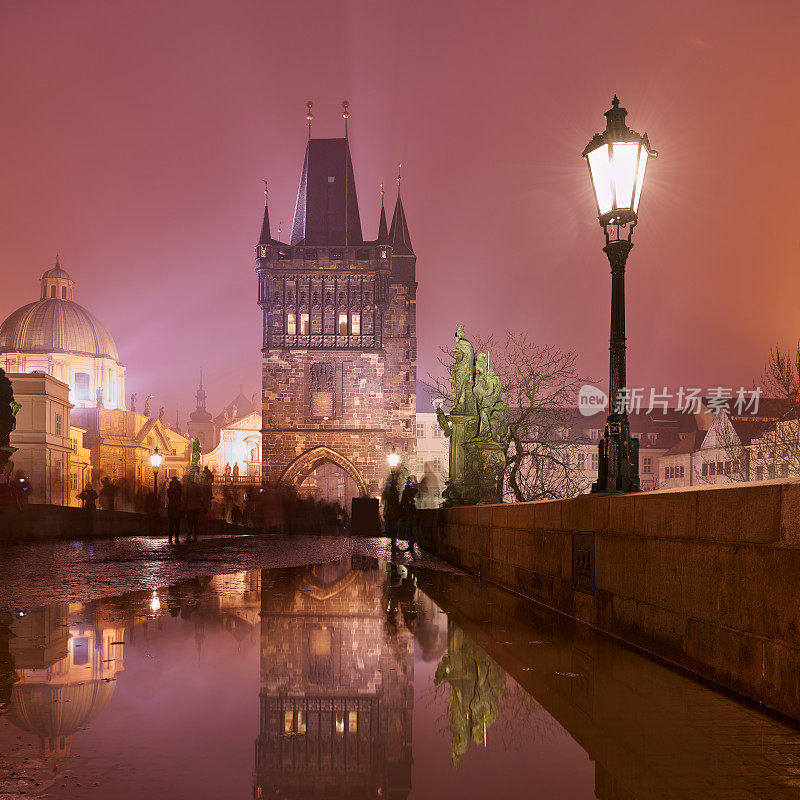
point(309, 116)
point(399, 237)
point(265, 236)
point(383, 231)
point(345, 115)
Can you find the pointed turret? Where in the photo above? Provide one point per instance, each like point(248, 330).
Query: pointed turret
point(399, 237)
point(383, 230)
point(266, 236)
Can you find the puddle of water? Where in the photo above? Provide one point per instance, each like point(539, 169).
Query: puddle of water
point(357, 679)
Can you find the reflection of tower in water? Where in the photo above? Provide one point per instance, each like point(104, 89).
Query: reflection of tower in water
point(336, 687)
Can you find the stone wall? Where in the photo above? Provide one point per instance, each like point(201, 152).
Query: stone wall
point(705, 578)
point(39, 522)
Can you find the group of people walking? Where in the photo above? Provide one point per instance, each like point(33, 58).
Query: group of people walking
point(190, 499)
point(400, 511)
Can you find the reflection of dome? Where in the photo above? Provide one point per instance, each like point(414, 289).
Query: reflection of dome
point(55, 323)
point(53, 711)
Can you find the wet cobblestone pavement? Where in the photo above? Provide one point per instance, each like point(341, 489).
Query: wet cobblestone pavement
point(37, 574)
point(276, 667)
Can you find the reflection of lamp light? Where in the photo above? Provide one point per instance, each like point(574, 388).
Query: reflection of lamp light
point(155, 603)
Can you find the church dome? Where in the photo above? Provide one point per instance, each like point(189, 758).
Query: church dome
point(56, 323)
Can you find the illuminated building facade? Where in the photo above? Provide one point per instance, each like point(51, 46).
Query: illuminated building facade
point(58, 337)
point(339, 332)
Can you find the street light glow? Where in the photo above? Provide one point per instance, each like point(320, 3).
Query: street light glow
point(393, 460)
point(155, 460)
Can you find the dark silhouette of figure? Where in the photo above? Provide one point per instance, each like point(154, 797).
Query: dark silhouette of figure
point(174, 508)
point(108, 493)
point(391, 509)
point(192, 501)
point(20, 487)
point(88, 497)
point(408, 511)
point(236, 470)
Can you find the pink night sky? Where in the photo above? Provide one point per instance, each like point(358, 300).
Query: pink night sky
point(135, 134)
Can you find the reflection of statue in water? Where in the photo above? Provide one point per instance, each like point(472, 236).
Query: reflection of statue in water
point(476, 684)
point(462, 373)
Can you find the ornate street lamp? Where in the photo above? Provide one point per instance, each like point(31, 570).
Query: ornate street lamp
point(155, 463)
point(617, 159)
point(393, 460)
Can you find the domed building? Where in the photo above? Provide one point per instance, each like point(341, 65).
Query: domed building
point(57, 336)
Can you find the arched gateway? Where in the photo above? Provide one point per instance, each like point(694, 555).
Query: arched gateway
point(304, 465)
point(339, 345)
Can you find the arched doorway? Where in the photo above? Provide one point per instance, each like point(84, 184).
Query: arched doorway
point(327, 475)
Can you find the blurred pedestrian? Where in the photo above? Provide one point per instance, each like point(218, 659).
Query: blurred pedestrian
point(408, 511)
point(88, 498)
point(391, 509)
point(108, 493)
point(174, 508)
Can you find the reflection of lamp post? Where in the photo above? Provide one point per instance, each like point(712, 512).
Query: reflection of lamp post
point(617, 159)
point(155, 463)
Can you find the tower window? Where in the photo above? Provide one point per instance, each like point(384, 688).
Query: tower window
point(304, 324)
point(291, 324)
point(63, 292)
point(52, 291)
point(343, 324)
point(355, 324)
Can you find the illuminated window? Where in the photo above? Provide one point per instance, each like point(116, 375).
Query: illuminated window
point(81, 386)
point(352, 721)
point(343, 324)
point(355, 324)
point(288, 721)
point(301, 721)
point(291, 324)
point(340, 722)
point(304, 325)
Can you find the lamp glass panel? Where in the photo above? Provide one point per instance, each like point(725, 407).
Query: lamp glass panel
point(624, 172)
point(643, 158)
point(600, 171)
point(155, 460)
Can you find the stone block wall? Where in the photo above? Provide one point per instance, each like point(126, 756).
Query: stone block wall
point(706, 578)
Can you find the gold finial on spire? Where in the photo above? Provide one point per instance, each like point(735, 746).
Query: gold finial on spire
point(309, 116)
point(266, 186)
point(399, 176)
point(345, 112)
point(58, 259)
point(279, 229)
point(382, 193)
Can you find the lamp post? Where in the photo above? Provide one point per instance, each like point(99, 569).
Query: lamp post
point(617, 159)
point(155, 463)
point(393, 459)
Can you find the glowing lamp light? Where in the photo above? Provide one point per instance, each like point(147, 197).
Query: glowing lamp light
point(393, 459)
point(155, 460)
point(617, 160)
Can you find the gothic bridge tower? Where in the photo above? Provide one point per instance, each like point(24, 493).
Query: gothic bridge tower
point(339, 345)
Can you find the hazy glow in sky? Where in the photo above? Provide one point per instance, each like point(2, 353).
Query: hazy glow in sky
point(135, 134)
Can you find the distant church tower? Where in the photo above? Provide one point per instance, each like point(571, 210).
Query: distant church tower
point(340, 340)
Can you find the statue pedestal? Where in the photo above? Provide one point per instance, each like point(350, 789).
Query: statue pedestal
point(462, 486)
point(487, 461)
